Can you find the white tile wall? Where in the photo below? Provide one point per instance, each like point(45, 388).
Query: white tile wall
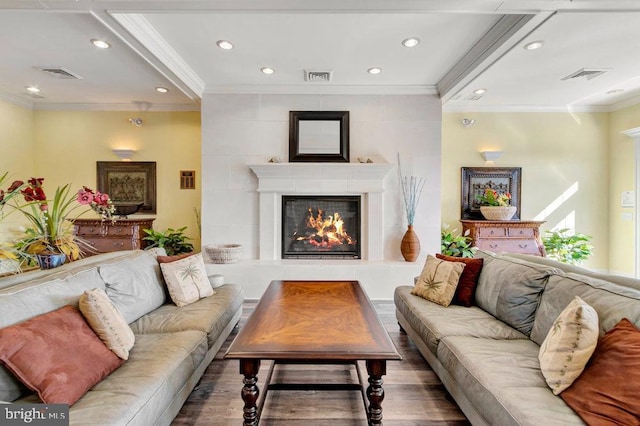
point(238, 130)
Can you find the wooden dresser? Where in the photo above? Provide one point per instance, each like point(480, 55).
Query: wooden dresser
point(513, 236)
point(106, 236)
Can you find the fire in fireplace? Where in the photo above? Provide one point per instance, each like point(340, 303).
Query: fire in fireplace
point(320, 227)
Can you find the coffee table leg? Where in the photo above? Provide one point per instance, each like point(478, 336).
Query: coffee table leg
point(250, 392)
point(375, 394)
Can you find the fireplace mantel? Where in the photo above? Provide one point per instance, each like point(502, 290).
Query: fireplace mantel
point(277, 179)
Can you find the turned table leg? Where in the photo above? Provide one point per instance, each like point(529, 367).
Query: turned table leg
point(250, 392)
point(375, 394)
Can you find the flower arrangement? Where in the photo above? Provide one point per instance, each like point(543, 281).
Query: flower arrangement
point(411, 190)
point(492, 198)
point(50, 220)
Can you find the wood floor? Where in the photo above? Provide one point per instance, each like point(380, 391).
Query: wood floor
point(413, 393)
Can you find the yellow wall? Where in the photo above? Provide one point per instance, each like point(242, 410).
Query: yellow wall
point(622, 164)
point(564, 160)
point(68, 144)
point(16, 154)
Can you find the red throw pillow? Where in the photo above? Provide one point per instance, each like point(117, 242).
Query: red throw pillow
point(607, 390)
point(169, 259)
point(57, 355)
point(466, 290)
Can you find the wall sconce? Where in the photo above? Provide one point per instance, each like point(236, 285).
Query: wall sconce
point(124, 154)
point(468, 122)
point(491, 155)
point(136, 121)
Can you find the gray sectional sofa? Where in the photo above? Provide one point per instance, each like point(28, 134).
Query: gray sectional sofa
point(173, 346)
point(487, 355)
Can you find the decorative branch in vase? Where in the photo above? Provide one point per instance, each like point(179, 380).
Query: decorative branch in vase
point(411, 190)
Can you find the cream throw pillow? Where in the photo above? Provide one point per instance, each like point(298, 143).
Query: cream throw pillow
point(187, 280)
point(107, 322)
point(438, 280)
point(569, 344)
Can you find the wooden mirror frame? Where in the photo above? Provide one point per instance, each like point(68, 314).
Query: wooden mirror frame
point(295, 155)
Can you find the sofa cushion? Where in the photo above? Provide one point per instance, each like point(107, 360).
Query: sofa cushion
point(438, 280)
point(107, 322)
point(510, 289)
point(503, 379)
point(134, 284)
point(210, 315)
point(612, 302)
point(137, 393)
point(57, 355)
point(466, 290)
point(607, 391)
point(569, 345)
point(186, 280)
point(433, 322)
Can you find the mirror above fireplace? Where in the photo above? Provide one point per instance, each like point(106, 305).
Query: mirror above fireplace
point(319, 136)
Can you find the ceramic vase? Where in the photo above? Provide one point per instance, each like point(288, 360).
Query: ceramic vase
point(497, 212)
point(50, 261)
point(410, 245)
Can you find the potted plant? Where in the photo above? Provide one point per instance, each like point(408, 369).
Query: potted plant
point(457, 246)
point(50, 237)
point(172, 240)
point(567, 248)
point(496, 206)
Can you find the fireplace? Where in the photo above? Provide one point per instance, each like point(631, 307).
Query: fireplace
point(321, 227)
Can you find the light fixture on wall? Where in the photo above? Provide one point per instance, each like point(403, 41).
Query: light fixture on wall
point(468, 122)
point(136, 121)
point(124, 154)
point(491, 155)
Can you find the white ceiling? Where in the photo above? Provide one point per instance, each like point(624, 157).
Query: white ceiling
point(465, 45)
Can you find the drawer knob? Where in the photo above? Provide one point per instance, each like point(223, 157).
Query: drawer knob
point(91, 229)
point(120, 244)
point(523, 246)
point(493, 246)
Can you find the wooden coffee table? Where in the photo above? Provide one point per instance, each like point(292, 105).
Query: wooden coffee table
point(313, 322)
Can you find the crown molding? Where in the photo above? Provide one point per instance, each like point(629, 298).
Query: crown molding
point(525, 108)
point(322, 89)
point(112, 107)
point(16, 100)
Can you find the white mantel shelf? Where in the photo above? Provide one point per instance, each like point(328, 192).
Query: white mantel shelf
point(365, 179)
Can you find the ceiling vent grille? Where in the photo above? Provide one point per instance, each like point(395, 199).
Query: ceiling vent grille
point(318, 75)
point(60, 72)
point(587, 73)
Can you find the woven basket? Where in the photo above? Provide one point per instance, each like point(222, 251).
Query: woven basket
point(224, 253)
point(497, 212)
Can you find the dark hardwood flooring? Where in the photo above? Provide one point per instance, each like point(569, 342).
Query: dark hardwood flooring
point(413, 393)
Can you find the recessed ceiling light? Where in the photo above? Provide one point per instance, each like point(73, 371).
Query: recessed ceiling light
point(410, 42)
point(100, 43)
point(224, 44)
point(374, 70)
point(534, 45)
point(32, 89)
point(614, 91)
point(480, 91)
point(267, 70)
point(162, 89)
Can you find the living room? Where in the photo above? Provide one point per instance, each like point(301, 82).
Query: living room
point(576, 161)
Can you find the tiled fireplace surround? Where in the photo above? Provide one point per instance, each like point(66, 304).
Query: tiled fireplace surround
point(241, 191)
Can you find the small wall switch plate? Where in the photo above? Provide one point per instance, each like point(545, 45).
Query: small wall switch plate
point(627, 199)
point(627, 216)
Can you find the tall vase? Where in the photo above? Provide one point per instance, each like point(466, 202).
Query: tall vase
point(410, 245)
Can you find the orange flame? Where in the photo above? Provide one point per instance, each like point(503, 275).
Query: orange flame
point(326, 231)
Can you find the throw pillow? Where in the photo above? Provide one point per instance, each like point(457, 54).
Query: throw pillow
point(569, 345)
point(607, 391)
point(107, 322)
point(438, 280)
point(466, 290)
point(57, 355)
point(187, 280)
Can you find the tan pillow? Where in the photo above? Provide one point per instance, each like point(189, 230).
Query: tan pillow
point(438, 280)
point(187, 280)
point(569, 345)
point(107, 322)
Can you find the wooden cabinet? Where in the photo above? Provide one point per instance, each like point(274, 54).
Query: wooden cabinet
point(106, 236)
point(513, 236)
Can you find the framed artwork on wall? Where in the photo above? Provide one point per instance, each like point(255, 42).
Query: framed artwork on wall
point(319, 136)
point(476, 179)
point(129, 182)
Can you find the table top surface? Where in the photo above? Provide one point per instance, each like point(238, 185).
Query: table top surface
point(313, 320)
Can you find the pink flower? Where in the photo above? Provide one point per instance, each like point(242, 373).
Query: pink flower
point(101, 199)
point(84, 197)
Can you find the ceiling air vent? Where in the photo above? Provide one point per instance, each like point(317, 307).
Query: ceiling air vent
point(587, 73)
point(317, 75)
point(60, 72)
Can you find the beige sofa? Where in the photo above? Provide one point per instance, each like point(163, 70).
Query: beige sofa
point(173, 345)
point(487, 355)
